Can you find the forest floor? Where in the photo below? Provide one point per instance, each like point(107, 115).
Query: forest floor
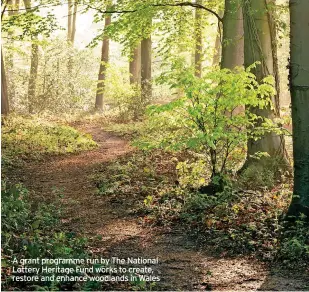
point(182, 265)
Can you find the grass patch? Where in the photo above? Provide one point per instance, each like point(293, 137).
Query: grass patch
point(129, 130)
point(34, 137)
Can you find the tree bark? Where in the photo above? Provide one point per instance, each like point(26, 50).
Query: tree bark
point(233, 35)
point(70, 16)
point(299, 86)
point(232, 49)
point(198, 40)
point(217, 50)
point(34, 64)
point(33, 75)
point(72, 12)
point(258, 47)
point(27, 4)
point(16, 8)
point(4, 90)
point(102, 70)
point(216, 60)
point(135, 66)
point(146, 85)
point(74, 23)
point(12, 5)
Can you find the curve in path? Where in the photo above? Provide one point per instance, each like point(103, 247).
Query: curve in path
point(181, 267)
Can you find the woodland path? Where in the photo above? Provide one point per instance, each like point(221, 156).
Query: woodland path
point(182, 265)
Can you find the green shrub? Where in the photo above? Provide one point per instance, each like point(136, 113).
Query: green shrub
point(270, 172)
point(204, 121)
point(123, 98)
point(32, 231)
point(294, 248)
point(256, 176)
point(24, 137)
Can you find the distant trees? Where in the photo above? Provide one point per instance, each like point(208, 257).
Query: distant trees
point(34, 64)
point(135, 65)
point(299, 86)
point(146, 64)
point(198, 40)
point(4, 89)
point(23, 25)
point(218, 49)
point(72, 12)
point(146, 68)
point(13, 8)
point(103, 67)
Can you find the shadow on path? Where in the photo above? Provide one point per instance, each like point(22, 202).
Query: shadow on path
point(181, 265)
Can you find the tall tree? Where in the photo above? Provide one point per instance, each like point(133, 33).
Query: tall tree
point(74, 22)
point(33, 75)
point(232, 48)
point(146, 86)
point(103, 67)
point(217, 49)
point(72, 12)
point(34, 64)
point(259, 47)
point(135, 65)
point(299, 87)
point(4, 90)
point(233, 35)
point(69, 33)
point(13, 7)
point(198, 40)
point(216, 60)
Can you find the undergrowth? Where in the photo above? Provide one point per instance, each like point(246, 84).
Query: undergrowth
point(235, 221)
point(32, 230)
point(34, 137)
point(128, 130)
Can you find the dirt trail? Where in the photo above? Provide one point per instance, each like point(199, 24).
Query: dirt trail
point(182, 266)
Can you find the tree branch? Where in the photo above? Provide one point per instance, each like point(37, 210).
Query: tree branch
point(3, 10)
point(180, 4)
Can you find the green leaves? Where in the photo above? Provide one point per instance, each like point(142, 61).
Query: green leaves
point(28, 25)
point(211, 118)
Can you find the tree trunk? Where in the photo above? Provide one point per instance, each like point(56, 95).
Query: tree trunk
point(146, 85)
point(258, 47)
point(74, 23)
point(33, 75)
point(102, 70)
point(217, 50)
point(299, 86)
point(216, 60)
point(27, 4)
point(72, 11)
point(233, 36)
point(232, 50)
point(4, 90)
point(71, 36)
point(16, 6)
point(12, 7)
point(70, 16)
point(135, 66)
point(198, 40)
point(33, 66)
